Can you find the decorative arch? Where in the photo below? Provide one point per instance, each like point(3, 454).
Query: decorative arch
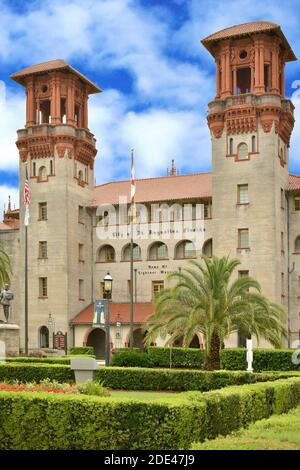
point(157, 251)
point(207, 248)
point(106, 254)
point(185, 249)
point(136, 252)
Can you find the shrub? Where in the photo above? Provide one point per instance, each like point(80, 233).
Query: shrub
point(74, 350)
point(119, 350)
point(176, 357)
point(10, 372)
point(75, 422)
point(263, 359)
point(130, 359)
point(93, 388)
point(42, 360)
point(133, 378)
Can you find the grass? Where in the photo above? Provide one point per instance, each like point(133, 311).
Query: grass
point(276, 433)
point(143, 395)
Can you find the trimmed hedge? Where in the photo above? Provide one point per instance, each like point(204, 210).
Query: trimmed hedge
point(35, 372)
point(131, 359)
point(231, 359)
point(134, 378)
point(74, 350)
point(73, 422)
point(42, 360)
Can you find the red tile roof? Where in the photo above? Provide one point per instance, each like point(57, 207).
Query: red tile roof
point(141, 312)
point(246, 29)
point(12, 224)
point(165, 188)
point(49, 66)
point(294, 182)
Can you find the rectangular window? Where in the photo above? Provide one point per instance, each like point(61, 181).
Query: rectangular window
point(81, 214)
point(243, 238)
point(207, 210)
point(43, 250)
point(33, 169)
point(297, 203)
point(243, 197)
point(243, 273)
point(299, 286)
point(43, 212)
point(129, 288)
point(157, 286)
point(282, 198)
point(282, 285)
point(43, 287)
point(81, 289)
point(81, 252)
point(282, 242)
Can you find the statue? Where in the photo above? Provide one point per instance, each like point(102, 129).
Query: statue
point(6, 296)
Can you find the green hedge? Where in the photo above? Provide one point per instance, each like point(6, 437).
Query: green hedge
point(43, 360)
point(263, 359)
point(35, 372)
point(74, 350)
point(35, 421)
point(176, 357)
point(130, 359)
point(134, 378)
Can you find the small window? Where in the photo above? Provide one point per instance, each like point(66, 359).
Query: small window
point(158, 251)
point(42, 173)
point(127, 252)
point(297, 203)
point(243, 273)
point(81, 289)
point(43, 250)
point(282, 198)
point(282, 285)
point(297, 244)
point(243, 197)
point(102, 291)
point(185, 250)
point(298, 289)
point(51, 167)
point(243, 238)
point(157, 286)
point(207, 209)
point(129, 287)
point(231, 146)
point(106, 254)
point(80, 176)
point(243, 151)
point(81, 214)
point(207, 248)
point(43, 287)
point(81, 252)
point(282, 242)
point(253, 140)
point(43, 212)
point(33, 169)
point(44, 337)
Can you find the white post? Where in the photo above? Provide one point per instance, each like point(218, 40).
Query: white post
point(249, 355)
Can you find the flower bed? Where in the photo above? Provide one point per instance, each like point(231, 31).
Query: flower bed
point(36, 388)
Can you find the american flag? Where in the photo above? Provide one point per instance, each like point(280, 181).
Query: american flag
point(132, 187)
point(26, 197)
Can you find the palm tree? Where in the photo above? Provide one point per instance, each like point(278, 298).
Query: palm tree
point(203, 300)
point(5, 267)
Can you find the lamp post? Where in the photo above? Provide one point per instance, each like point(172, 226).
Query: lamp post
point(51, 328)
point(107, 293)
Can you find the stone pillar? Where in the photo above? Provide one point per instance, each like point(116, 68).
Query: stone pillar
point(71, 103)
point(234, 80)
point(223, 66)
point(85, 112)
point(217, 78)
point(261, 69)
point(282, 65)
point(30, 104)
point(9, 339)
point(257, 68)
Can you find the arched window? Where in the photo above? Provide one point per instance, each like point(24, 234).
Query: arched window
point(297, 244)
point(42, 173)
point(185, 249)
point(80, 176)
point(231, 146)
point(243, 151)
point(207, 248)
point(136, 252)
point(44, 337)
point(157, 251)
point(253, 143)
point(106, 254)
point(51, 167)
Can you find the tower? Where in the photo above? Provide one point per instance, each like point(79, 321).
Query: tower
point(59, 151)
point(251, 123)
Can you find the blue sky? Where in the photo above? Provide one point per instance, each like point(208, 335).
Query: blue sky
point(146, 56)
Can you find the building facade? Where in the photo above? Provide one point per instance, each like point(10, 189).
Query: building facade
point(248, 207)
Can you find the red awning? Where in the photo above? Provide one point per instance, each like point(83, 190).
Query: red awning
point(118, 312)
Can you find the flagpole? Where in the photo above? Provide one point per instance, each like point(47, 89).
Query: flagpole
point(131, 251)
point(26, 219)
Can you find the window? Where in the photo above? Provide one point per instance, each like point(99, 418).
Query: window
point(243, 151)
point(81, 289)
point(282, 198)
point(33, 169)
point(158, 251)
point(80, 214)
point(298, 286)
point(243, 273)
point(297, 244)
point(243, 238)
point(106, 254)
point(207, 209)
point(207, 248)
point(44, 112)
point(282, 285)
point(43, 287)
point(253, 141)
point(157, 286)
point(80, 176)
point(63, 116)
point(136, 252)
point(102, 291)
point(243, 197)
point(185, 250)
point(42, 173)
point(231, 146)
point(44, 337)
point(129, 287)
point(80, 252)
point(243, 80)
point(43, 250)
point(43, 211)
point(51, 167)
point(297, 203)
point(282, 242)
point(267, 77)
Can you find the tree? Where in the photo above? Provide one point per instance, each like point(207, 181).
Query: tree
point(5, 267)
point(205, 300)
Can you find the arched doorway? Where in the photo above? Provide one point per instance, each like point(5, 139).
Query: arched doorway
point(195, 343)
point(44, 337)
point(96, 338)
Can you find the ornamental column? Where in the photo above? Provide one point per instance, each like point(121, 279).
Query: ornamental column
point(217, 78)
point(30, 104)
point(71, 103)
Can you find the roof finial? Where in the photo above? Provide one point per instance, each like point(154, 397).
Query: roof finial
point(173, 171)
point(9, 205)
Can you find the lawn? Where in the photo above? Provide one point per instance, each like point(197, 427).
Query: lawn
point(280, 432)
point(143, 395)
